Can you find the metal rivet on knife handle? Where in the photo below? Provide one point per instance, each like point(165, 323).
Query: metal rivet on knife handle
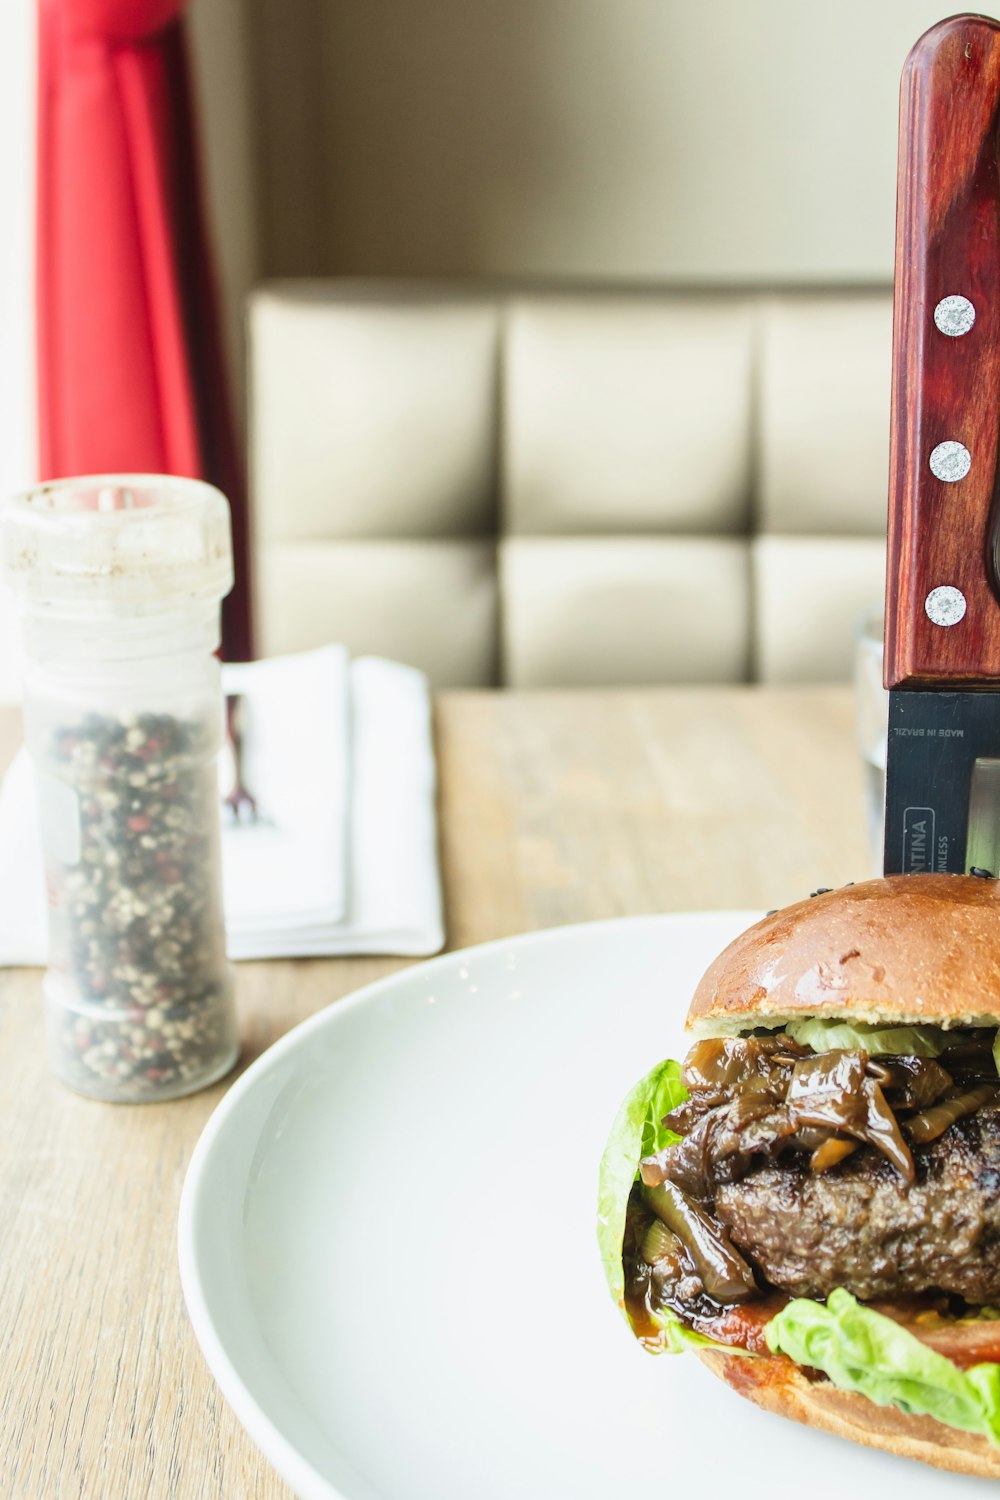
point(945, 605)
point(950, 461)
point(954, 316)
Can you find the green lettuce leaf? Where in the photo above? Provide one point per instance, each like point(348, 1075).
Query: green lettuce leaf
point(861, 1350)
point(636, 1133)
point(877, 1041)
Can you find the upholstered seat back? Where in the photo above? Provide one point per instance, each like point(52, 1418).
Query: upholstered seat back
point(546, 487)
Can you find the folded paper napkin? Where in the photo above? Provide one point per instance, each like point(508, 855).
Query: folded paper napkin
point(343, 855)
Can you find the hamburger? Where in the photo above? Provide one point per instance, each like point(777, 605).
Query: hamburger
point(810, 1199)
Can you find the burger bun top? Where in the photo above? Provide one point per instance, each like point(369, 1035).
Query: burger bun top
point(903, 950)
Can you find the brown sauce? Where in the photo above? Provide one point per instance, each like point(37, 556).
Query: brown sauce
point(744, 1325)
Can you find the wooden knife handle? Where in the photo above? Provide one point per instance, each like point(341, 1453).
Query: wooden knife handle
point(942, 531)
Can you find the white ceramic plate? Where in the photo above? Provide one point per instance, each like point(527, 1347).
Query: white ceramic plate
point(388, 1253)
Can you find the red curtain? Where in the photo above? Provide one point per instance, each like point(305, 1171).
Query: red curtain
point(131, 374)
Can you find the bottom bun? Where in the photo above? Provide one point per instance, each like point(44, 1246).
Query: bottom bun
point(778, 1385)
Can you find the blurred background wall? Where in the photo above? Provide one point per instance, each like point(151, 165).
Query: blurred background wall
point(629, 144)
point(747, 140)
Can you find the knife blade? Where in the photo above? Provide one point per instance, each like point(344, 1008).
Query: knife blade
point(942, 618)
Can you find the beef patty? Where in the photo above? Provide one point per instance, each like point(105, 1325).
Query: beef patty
point(859, 1226)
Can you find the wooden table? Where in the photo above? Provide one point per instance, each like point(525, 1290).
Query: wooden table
point(555, 807)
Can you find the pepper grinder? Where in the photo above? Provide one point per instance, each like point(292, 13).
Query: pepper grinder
point(118, 581)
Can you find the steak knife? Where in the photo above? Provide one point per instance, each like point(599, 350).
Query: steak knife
point(942, 619)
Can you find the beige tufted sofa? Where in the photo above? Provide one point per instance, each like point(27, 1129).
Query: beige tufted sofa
point(541, 486)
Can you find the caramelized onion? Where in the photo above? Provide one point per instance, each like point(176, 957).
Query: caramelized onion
point(931, 1123)
point(970, 1046)
point(846, 1112)
point(696, 1163)
point(721, 1146)
point(833, 1150)
point(724, 1272)
point(809, 1138)
point(744, 1063)
point(882, 1131)
point(759, 1096)
point(836, 1073)
point(661, 1247)
point(914, 1082)
point(861, 1112)
point(692, 1109)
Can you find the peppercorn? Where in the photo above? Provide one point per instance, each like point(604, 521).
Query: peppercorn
point(139, 957)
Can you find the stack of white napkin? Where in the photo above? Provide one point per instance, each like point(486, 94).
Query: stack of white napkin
point(342, 858)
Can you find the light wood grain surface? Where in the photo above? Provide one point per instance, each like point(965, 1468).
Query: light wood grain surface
point(555, 807)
